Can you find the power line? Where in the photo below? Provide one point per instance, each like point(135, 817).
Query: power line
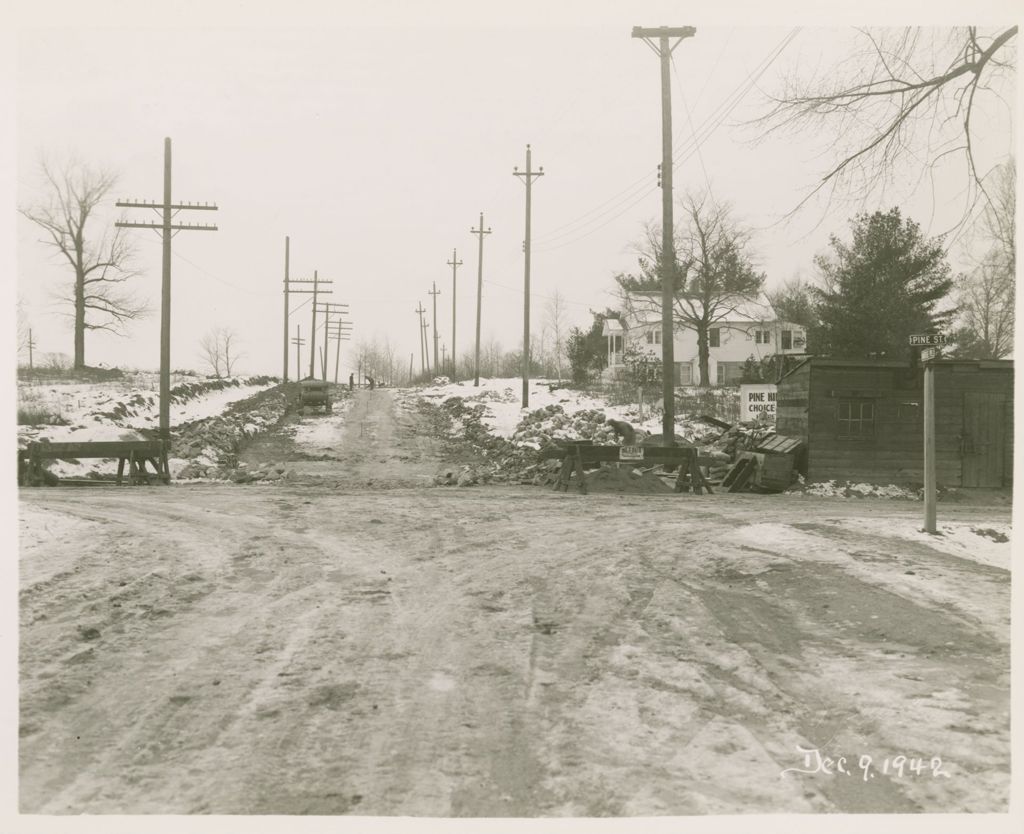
point(706, 128)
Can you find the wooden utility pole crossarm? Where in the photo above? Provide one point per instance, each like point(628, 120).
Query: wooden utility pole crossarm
point(167, 209)
point(668, 253)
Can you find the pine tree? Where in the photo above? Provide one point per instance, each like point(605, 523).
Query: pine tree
point(887, 284)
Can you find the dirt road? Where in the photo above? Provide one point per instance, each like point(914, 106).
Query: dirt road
point(401, 649)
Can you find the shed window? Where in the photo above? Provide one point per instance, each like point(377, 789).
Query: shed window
point(715, 337)
point(910, 410)
point(856, 418)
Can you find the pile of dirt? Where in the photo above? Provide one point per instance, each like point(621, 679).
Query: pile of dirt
point(621, 479)
point(211, 446)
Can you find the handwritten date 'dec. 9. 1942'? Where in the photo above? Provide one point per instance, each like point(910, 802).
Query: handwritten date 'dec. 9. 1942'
point(866, 767)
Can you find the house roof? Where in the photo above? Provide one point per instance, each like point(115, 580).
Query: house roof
point(746, 312)
point(829, 362)
point(611, 327)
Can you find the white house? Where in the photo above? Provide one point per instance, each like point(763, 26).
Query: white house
point(748, 329)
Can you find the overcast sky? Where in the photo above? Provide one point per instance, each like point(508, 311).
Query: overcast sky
point(374, 139)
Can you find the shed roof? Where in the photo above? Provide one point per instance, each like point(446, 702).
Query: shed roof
point(830, 362)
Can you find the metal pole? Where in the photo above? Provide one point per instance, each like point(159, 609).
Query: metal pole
point(165, 303)
point(312, 332)
point(929, 447)
point(285, 372)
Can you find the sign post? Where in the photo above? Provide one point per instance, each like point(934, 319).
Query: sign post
point(931, 343)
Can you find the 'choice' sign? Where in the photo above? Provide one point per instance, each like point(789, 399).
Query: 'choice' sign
point(757, 402)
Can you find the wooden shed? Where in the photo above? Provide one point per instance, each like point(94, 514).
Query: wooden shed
point(862, 420)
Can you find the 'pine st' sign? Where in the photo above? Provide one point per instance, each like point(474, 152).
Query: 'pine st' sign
point(928, 340)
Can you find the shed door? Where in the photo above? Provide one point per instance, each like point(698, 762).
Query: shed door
point(984, 438)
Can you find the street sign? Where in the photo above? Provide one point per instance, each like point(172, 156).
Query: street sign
point(929, 353)
point(928, 339)
point(631, 453)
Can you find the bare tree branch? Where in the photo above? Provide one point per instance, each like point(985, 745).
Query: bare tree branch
point(74, 193)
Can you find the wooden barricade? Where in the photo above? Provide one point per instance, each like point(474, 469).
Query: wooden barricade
point(574, 454)
point(136, 453)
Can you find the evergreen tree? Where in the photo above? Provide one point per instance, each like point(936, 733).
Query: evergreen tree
point(885, 285)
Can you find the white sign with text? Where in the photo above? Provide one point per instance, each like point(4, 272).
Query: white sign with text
point(757, 402)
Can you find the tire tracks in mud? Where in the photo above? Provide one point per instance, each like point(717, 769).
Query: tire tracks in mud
point(490, 652)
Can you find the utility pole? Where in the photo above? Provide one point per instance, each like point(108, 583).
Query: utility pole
point(668, 251)
point(444, 357)
point(479, 290)
point(527, 177)
point(31, 345)
point(284, 373)
point(454, 263)
point(327, 308)
point(420, 311)
point(291, 288)
point(298, 341)
point(435, 292)
point(166, 228)
point(426, 325)
point(340, 331)
point(312, 330)
point(410, 369)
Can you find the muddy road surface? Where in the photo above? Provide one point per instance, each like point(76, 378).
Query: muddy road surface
point(393, 648)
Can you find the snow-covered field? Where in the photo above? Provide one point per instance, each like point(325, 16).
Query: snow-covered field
point(118, 410)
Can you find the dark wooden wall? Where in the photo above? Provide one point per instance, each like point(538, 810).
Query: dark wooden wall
point(809, 399)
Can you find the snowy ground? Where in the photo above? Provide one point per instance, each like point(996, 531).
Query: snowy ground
point(360, 644)
point(88, 410)
point(503, 399)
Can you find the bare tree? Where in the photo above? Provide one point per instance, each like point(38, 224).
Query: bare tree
point(23, 324)
point(230, 351)
point(219, 350)
point(986, 295)
point(99, 296)
point(713, 275)
point(903, 97)
point(557, 322)
point(210, 352)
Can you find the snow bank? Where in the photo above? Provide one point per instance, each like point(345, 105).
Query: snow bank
point(988, 544)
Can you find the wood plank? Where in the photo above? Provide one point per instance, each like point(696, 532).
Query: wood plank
point(96, 448)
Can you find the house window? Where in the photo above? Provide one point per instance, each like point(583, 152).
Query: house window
point(685, 373)
point(728, 373)
point(616, 344)
point(654, 337)
point(856, 418)
point(715, 337)
point(787, 339)
point(763, 337)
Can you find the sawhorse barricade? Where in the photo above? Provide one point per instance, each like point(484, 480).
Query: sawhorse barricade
point(574, 454)
point(136, 453)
